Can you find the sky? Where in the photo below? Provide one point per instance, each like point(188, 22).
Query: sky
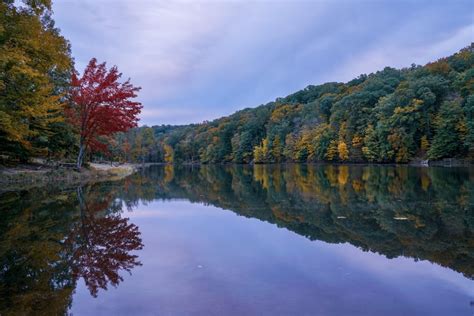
point(200, 60)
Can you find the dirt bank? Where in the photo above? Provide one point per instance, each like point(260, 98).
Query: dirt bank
point(36, 174)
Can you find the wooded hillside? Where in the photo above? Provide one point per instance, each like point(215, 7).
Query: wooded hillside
point(393, 115)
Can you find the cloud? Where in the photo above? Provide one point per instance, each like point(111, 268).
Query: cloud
point(388, 53)
point(210, 58)
point(150, 114)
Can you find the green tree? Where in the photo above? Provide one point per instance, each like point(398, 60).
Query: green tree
point(448, 129)
point(469, 112)
point(370, 144)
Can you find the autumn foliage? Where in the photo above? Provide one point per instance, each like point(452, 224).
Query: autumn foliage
point(391, 116)
point(103, 244)
point(101, 106)
point(34, 60)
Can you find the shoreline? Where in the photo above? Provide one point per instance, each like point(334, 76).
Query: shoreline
point(447, 162)
point(24, 177)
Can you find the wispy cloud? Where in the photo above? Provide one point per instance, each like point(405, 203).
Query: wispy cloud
point(198, 60)
point(393, 54)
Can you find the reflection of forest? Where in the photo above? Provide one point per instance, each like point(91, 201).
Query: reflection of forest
point(50, 239)
point(424, 213)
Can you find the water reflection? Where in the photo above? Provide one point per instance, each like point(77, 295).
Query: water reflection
point(424, 213)
point(102, 245)
point(52, 238)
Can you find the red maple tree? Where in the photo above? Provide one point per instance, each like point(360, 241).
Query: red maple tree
point(101, 106)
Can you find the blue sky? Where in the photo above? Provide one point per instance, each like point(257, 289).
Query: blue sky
point(199, 60)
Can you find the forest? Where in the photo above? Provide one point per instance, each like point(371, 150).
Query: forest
point(393, 115)
point(47, 110)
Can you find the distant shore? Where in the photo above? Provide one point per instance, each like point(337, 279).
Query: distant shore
point(446, 162)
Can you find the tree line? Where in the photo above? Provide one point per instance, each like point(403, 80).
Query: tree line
point(49, 110)
point(393, 115)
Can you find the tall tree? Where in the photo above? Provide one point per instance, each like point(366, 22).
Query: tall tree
point(34, 60)
point(101, 106)
point(469, 110)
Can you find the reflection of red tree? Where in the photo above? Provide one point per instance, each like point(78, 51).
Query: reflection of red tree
point(102, 245)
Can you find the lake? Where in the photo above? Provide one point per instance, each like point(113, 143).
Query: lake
point(244, 240)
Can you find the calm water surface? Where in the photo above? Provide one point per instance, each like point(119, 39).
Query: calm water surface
point(233, 240)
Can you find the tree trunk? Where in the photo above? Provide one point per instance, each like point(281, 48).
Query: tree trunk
point(84, 211)
point(80, 156)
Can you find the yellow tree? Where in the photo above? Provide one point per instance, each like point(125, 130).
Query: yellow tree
point(277, 149)
point(260, 152)
point(356, 149)
point(424, 144)
point(342, 151)
point(396, 140)
point(303, 146)
point(169, 153)
point(257, 154)
point(35, 65)
point(265, 149)
point(331, 153)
